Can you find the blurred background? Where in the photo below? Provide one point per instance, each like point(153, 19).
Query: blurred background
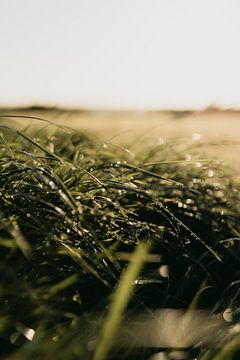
point(167, 68)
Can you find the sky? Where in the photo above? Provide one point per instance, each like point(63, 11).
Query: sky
point(126, 54)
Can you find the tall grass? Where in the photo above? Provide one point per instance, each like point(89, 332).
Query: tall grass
point(75, 215)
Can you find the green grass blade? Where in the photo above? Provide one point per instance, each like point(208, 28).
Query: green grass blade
point(120, 300)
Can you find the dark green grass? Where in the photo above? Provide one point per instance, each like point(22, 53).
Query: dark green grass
point(73, 210)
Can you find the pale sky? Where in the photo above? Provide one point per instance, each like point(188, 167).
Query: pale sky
point(120, 53)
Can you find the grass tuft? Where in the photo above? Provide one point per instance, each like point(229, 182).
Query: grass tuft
point(76, 215)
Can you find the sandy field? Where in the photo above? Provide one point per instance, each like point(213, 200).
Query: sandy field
point(218, 131)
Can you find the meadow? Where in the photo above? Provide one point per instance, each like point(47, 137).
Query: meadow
point(119, 235)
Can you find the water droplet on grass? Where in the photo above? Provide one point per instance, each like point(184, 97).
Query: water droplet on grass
point(210, 173)
point(164, 271)
point(131, 185)
point(228, 315)
point(196, 136)
point(15, 338)
point(160, 141)
point(147, 281)
point(55, 338)
point(29, 333)
point(76, 298)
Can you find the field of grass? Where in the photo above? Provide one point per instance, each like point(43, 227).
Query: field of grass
point(115, 252)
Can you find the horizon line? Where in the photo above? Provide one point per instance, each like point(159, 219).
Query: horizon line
point(52, 107)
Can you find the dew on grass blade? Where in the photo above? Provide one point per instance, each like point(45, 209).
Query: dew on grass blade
point(16, 338)
point(29, 333)
point(55, 338)
point(210, 173)
point(228, 315)
point(196, 136)
point(164, 271)
point(160, 141)
point(147, 281)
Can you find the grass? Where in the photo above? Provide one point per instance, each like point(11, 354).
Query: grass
point(93, 234)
